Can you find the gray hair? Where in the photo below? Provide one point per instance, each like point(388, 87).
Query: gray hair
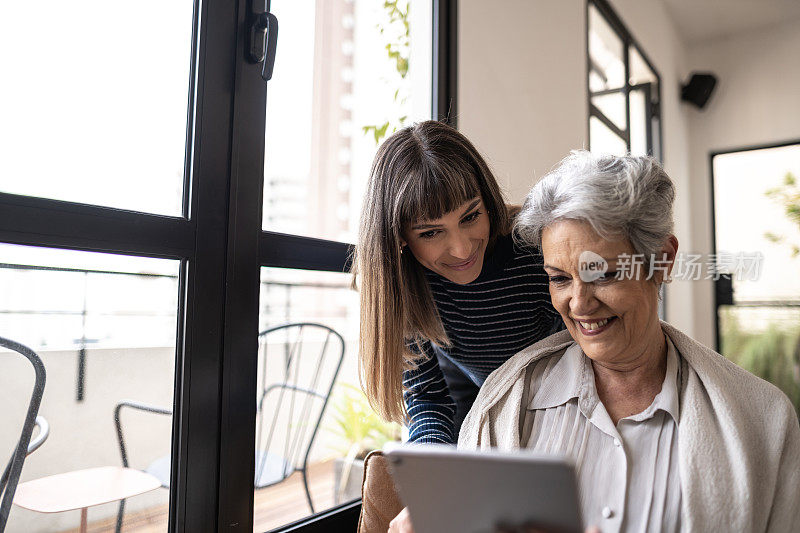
point(620, 197)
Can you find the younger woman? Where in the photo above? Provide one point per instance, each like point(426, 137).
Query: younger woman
point(442, 283)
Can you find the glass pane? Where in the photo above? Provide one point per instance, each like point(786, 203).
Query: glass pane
point(604, 141)
point(638, 122)
point(104, 326)
point(606, 69)
point(765, 341)
point(655, 128)
point(759, 185)
point(96, 114)
point(358, 69)
point(348, 428)
point(640, 72)
point(644, 93)
point(613, 107)
point(606, 58)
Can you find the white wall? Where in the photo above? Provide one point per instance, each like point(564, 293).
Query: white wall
point(522, 85)
point(523, 102)
point(757, 101)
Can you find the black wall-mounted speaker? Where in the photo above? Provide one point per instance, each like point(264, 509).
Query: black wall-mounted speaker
point(699, 89)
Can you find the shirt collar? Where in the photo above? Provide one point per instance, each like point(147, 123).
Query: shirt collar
point(572, 377)
point(562, 381)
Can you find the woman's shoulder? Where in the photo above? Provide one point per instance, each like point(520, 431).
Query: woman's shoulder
point(726, 382)
point(505, 376)
point(501, 395)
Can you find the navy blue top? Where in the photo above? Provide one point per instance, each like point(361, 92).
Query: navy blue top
point(507, 308)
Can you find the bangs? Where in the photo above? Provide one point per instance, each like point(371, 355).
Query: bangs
point(431, 191)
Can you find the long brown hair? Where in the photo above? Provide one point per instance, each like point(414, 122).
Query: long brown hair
point(421, 172)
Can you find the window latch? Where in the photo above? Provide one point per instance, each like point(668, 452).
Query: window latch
point(263, 42)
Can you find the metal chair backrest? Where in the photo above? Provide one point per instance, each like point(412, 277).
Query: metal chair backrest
point(303, 360)
point(13, 470)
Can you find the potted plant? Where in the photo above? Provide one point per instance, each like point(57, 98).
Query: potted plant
point(360, 430)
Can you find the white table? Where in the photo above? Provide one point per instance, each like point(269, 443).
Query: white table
point(82, 489)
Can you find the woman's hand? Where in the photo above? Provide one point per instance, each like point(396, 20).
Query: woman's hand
point(401, 523)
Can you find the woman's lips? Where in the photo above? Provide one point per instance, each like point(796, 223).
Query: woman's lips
point(466, 265)
point(597, 331)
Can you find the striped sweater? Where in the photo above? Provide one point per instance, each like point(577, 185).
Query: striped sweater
point(505, 309)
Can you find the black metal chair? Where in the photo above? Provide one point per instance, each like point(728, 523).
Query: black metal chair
point(25, 445)
point(300, 389)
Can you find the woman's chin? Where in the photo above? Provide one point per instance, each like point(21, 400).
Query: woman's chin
point(600, 350)
point(598, 356)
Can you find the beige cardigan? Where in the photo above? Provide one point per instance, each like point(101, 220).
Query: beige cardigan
point(739, 444)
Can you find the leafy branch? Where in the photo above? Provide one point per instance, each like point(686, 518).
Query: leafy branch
point(788, 196)
point(398, 52)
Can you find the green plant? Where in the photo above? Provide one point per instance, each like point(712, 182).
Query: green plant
point(398, 49)
point(772, 354)
point(358, 427)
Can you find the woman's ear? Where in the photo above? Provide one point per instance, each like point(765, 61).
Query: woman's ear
point(671, 248)
point(669, 252)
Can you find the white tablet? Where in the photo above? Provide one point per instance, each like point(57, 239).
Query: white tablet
point(475, 492)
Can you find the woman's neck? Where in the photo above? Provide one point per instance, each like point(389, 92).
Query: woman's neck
point(629, 389)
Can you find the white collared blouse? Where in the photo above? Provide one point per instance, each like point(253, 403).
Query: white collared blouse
point(627, 473)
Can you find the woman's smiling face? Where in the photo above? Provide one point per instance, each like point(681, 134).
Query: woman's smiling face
point(453, 245)
point(615, 321)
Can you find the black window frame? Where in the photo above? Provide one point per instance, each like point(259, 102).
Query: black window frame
point(221, 248)
point(653, 110)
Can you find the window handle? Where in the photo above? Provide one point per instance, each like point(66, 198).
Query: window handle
point(263, 42)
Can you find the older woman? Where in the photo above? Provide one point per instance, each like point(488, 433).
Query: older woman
point(665, 433)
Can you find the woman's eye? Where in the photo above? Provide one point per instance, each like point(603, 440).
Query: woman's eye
point(429, 234)
point(609, 276)
point(472, 217)
point(555, 280)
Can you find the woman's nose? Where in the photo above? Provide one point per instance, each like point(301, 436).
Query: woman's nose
point(582, 301)
point(460, 245)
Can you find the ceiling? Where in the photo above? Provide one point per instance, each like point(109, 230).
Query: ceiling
point(706, 20)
